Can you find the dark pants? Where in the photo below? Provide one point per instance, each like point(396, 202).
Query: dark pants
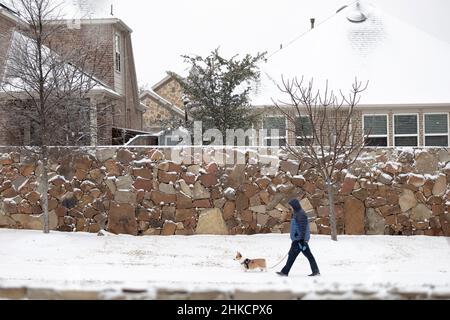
point(293, 254)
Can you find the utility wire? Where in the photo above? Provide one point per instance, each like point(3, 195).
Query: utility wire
point(306, 32)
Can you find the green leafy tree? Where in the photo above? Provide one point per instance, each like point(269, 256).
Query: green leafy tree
point(219, 90)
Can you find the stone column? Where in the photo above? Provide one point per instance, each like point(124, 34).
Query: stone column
point(27, 132)
point(420, 130)
point(93, 126)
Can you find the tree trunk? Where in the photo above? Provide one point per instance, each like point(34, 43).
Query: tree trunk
point(44, 189)
point(332, 212)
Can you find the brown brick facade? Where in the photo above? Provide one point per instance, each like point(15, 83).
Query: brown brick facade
point(93, 36)
point(6, 29)
point(123, 110)
point(6, 133)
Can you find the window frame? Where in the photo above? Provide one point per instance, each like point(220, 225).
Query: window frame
point(300, 137)
point(425, 134)
point(285, 137)
point(377, 135)
point(117, 52)
point(395, 135)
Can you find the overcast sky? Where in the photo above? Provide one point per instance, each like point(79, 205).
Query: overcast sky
point(165, 29)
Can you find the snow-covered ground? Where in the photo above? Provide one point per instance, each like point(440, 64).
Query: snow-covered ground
point(197, 263)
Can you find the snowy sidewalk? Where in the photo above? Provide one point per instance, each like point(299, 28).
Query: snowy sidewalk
point(355, 266)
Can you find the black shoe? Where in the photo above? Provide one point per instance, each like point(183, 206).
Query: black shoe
point(281, 274)
point(314, 274)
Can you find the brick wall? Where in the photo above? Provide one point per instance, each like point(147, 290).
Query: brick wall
point(93, 36)
point(357, 123)
point(10, 132)
point(124, 113)
point(134, 116)
point(6, 28)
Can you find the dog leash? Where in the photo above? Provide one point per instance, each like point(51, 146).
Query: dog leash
point(279, 262)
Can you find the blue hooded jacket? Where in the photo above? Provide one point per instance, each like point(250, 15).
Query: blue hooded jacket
point(299, 223)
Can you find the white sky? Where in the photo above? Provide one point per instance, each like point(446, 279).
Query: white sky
point(166, 29)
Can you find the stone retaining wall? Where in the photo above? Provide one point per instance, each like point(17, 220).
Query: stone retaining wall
point(140, 191)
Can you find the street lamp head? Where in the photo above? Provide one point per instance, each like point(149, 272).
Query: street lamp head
point(186, 99)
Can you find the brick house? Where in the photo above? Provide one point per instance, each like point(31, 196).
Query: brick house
point(407, 103)
point(119, 88)
point(8, 22)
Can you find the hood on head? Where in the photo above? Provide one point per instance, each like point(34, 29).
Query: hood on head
point(295, 204)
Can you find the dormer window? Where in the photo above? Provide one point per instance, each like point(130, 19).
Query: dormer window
point(118, 51)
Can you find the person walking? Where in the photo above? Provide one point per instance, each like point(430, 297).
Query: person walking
point(300, 236)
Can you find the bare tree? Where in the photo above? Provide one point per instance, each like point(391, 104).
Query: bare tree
point(47, 86)
point(326, 137)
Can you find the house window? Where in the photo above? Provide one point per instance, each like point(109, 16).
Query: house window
point(406, 130)
point(303, 131)
point(436, 129)
point(118, 51)
point(275, 134)
point(376, 130)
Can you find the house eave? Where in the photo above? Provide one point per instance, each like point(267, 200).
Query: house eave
point(142, 107)
point(393, 106)
point(115, 21)
point(162, 101)
point(170, 75)
point(94, 93)
point(11, 17)
point(104, 92)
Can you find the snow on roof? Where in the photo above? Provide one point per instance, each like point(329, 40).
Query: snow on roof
point(164, 102)
point(4, 6)
point(170, 75)
point(403, 64)
point(15, 84)
point(10, 14)
point(97, 21)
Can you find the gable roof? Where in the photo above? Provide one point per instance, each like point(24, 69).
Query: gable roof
point(16, 85)
point(163, 102)
point(404, 65)
point(98, 21)
point(170, 75)
point(11, 15)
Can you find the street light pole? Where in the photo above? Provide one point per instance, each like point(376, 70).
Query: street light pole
point(186, 102)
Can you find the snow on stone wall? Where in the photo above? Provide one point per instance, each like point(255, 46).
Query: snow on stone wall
point(141, 191)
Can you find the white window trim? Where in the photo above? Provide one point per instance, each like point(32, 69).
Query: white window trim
point(117, 51)
point(377, 135)
point(253, 138)
point(436, 134)
point(406, 135)
point(285, 137)
point(376, 115)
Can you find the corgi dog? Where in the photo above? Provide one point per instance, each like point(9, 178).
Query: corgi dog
point(251, 264)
